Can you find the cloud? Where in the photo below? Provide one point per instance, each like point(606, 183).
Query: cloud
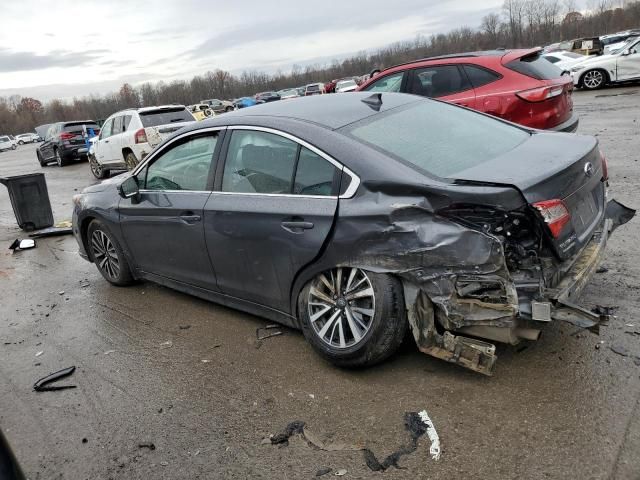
point(11, 61)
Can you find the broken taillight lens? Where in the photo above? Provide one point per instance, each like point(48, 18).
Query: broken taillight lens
point(540, 94)
point(555, 215)
point(141, 136)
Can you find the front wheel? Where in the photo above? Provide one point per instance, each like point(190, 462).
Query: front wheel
point(13, 147)
point(97, 168)
point(352, 317)
point(593, 79)
point(107, 254)
point(59, 160)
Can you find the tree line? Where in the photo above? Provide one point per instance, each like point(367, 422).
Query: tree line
point(522, 23)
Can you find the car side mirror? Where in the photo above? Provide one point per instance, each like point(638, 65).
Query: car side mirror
point(130, 189)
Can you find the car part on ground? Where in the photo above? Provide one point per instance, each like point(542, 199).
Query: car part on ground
point(620, 65)
point(392, 207)
point(516, 85)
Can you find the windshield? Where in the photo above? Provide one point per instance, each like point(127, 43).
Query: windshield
point(437, 138)
point(165, 116)
point(4, 139)
point(624, 47)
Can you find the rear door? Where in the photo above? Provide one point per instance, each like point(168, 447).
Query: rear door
point(102, 147)
point(272, 209)
point(489, 99)
point(164, 227)
point(629, 65)
point(444, 82)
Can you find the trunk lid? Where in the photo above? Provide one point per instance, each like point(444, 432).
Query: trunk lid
point(553, 166)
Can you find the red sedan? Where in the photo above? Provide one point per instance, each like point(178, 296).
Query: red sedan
point(517, 85)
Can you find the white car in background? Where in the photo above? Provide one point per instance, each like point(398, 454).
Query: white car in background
point(128, 136)
point(6, 143)
point(27, 138)
point(617, 40)
point(620, 65)
point(344, 86)
point(564, 60)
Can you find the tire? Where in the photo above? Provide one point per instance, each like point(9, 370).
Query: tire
point(59, 160)
point(96, 168)
point(131, 161)
point(228, 109)
point(107, 254)
point(20, 142)
point(14, 146)
point(40, 161)
point(593, 79)
point(378, 320)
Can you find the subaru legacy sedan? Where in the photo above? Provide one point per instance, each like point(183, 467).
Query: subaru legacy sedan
point(355, 218)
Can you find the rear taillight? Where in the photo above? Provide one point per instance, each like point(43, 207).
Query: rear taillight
point(605, 168)
point(66, 136)
point(540, 94)
point(555, 215)
point(141, 136)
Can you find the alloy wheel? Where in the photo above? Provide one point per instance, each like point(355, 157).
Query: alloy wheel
point(593, 79)
point(341, 306)
point(58, 158)
point(105, 255)
point(96, 168)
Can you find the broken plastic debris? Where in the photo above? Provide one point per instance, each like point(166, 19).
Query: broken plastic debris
point(433, 435)
point(341, 472)
point(268, 334)
point(109, 352)
point(167, 344)
point(149, 445)
point(323, 471)
point(25, 244)
point(43, 385)
point(204, 360)
point(312, 396)
point(52, 232)
point(39, 353)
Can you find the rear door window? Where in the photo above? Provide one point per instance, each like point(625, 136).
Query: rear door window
point(165, 116)
point(314, 174)
point(438, 81)
point(535, 66)
point(479, 76)
point(388, 83)
point(117, 125)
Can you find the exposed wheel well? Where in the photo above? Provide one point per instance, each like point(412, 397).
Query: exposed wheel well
point(126, 150)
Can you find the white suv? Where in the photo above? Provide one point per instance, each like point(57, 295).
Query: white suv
point(6, 143)
point(128, 136)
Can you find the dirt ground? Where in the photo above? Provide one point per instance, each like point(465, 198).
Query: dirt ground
point(189, 376)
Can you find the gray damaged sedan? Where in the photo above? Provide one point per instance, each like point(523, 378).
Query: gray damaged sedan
point(358, 218)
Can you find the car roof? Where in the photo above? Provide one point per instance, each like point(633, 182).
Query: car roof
point(328, 111)
point(77, 122)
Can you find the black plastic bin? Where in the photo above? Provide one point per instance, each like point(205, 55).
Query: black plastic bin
point(30, 200)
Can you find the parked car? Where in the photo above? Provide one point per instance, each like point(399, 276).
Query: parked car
point(267, 96)
point(564, 60)
point(314, 89)
point(617, 40)
point(288, 93)
point(129, 136)
point(65, 142)
point(244, 102)
point(27, 138)
point(330, 87)
point(219, 106)
point(201, 111)
point(343, 86)
point(620, 65)
point(584, 46)
point(516, 85)
point(301, 91)
point(394, 213)
point(6, 143)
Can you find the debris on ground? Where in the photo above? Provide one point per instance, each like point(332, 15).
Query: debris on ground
point(342, 472)
point(108, 352)
point(295, 427)
point(148, 445)
point(25, 244)
point(43, 385)
point(260, 337)
point(184, 327)
point(167, 344)
point(604, 311)
point(620, 350)
point(323, 471)
point(51, 232)
point(84, 440)
point(39, 353)
point(434, 450)
point(602, 270)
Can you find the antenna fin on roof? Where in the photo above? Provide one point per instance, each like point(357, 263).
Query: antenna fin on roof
point(374, 101)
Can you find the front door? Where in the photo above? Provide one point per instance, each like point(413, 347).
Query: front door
point(629, 65)
point(272, 210)
point(163, 228)
point(102, 147)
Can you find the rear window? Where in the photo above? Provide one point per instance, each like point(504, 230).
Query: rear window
point(535, 66)
point(437, 138)
point(313, 87)
point(166, 116)
point(77, 127)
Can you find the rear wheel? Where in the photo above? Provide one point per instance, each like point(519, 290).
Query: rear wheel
point(107, 254)
point(594, 79)
point(130, 160)
point(352, 317)
point(21, 142)
point(97, 168)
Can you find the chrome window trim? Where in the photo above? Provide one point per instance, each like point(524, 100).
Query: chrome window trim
point(349, 192)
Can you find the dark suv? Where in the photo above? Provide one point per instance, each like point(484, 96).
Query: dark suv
point(65, 142)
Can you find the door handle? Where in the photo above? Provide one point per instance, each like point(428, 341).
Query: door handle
point(190, 218)
point(296, 226)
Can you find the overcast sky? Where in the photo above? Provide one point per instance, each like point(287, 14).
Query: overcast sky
point(72, 48)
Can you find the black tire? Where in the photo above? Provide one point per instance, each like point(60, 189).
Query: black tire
point(99, 249)
point(96, 168)
point(594, 79)
point(385, 330)
point(20, 142)
point(228, 109)
point(130, 160)
point(14, 146)
point(59, 160)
